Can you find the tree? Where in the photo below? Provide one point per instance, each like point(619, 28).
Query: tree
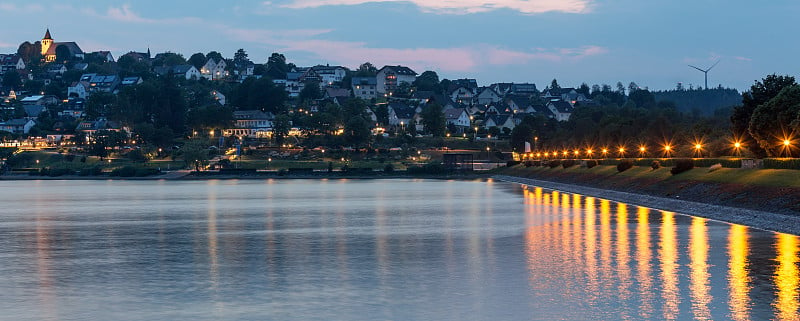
point(554, 85)
point(198, 60)
point(310, 92)
point(240, 58)
point(382, 114)
point(276, 66)
point(759, 93)
point(366, 70)
point(12, 79)
point(433, 119)
point(642, 98)
point(356, 131)
point(428, 81)
point(772, 121)
point(281, 127)
point(195, 153)
point(63, 54)
point(214, 55)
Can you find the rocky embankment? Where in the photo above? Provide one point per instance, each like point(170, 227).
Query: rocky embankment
point(765, 207)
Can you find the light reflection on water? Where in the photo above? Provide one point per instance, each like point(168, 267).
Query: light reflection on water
point(365, 250)
point(679, 284)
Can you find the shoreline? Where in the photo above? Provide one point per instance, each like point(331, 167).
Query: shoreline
point(768, 221)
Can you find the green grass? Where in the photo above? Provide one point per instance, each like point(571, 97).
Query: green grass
point(763, 177)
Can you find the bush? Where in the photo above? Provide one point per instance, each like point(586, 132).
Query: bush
point(554, 163)
point(389, 168)
point(512, 163)
point(137, 155)
point(125, 171)
point(714, 167)
point(682, 165)
point(624, 165)
point(591, 163)
point(91, 171)
point(567, 163)
point(655, 165)
point(69, 158)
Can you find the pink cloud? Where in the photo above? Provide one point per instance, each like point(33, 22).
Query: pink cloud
point(462, 6)
point(126, 14)
point(498, 56)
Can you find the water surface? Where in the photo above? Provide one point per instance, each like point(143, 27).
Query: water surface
point(374, 250)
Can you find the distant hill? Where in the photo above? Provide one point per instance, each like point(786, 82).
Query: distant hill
point(703, 101)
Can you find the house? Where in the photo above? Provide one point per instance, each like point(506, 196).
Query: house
point(102, 55)
point(184, 71)
point(131, 81)
point(90, 128)
point(41, 100)
point(389, 77)
point(461, 94)
point(502, 88)
point(457, 117)
point(569, 95)
point(58, 69)
point(80, 66)
point(330, 74)
point(251, 123)
point(365, 87)
point(487, 95)
point(219, 97)
point(400, 114)
point(139, 56)
point(517, 103)
point(331, 93)
point(523, 89)
point(11, 62)
point(74, 108)
point(78, 89)
point(17, 126)
point(101, 83)
point(293, 84)
point(466, 82)
point(561, 109)
point(214, 69)
point(499, 121)
point(33, 111)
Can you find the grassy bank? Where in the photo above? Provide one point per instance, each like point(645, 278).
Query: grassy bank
point(771, 190)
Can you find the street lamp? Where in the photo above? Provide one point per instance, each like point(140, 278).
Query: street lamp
point(698, 149)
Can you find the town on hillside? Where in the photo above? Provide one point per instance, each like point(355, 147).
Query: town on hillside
point(53, 94)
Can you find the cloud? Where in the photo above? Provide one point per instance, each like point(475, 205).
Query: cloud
point(126, 14)
point(742, 58)
point(455, 59)
point(461, 6)
point(10, 8)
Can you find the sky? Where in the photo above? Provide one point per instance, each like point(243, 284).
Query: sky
point(574, 41)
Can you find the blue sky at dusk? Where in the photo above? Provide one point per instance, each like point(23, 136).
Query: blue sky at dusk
point(593, 41)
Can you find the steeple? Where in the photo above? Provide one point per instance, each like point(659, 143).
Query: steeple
point(47, 41)
point(47, 35)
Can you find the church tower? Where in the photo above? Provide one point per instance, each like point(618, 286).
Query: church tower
point(47, 41)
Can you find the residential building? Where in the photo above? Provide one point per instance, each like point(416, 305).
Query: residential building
point(184, 71)
point(330, 75)
point(561, 110)
point(214, 69)
point(389, 77)
point(400, 114)
point(17, 126)
point(251, 123)
point(365, 87)
point(11, 62)
point(100, 83)
point(487, 95)
point(457, 117)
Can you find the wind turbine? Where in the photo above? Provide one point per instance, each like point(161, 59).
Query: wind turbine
point(705, 71)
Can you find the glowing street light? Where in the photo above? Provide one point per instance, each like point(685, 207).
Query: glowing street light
point(698, 149)
point(642, 150)
point(604, 152)
point(622, 151)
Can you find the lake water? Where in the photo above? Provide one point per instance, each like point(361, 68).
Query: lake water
point(374, 250)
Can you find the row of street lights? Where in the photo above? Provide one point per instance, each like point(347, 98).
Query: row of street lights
point(666, 150)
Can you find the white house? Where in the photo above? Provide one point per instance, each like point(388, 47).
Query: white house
point(461, 95)
point(214, 69)
point(500, 121)
point(487, 95)
point(365, 87)
point(184, 71)
point(560, 109)
point(11, 62)
point(17, 126)
point(389, 77)
point(457, 117)
point(330, 74)
point(251, 123)
point(79, 89)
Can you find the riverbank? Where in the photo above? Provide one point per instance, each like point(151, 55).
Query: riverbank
point(763, 204)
